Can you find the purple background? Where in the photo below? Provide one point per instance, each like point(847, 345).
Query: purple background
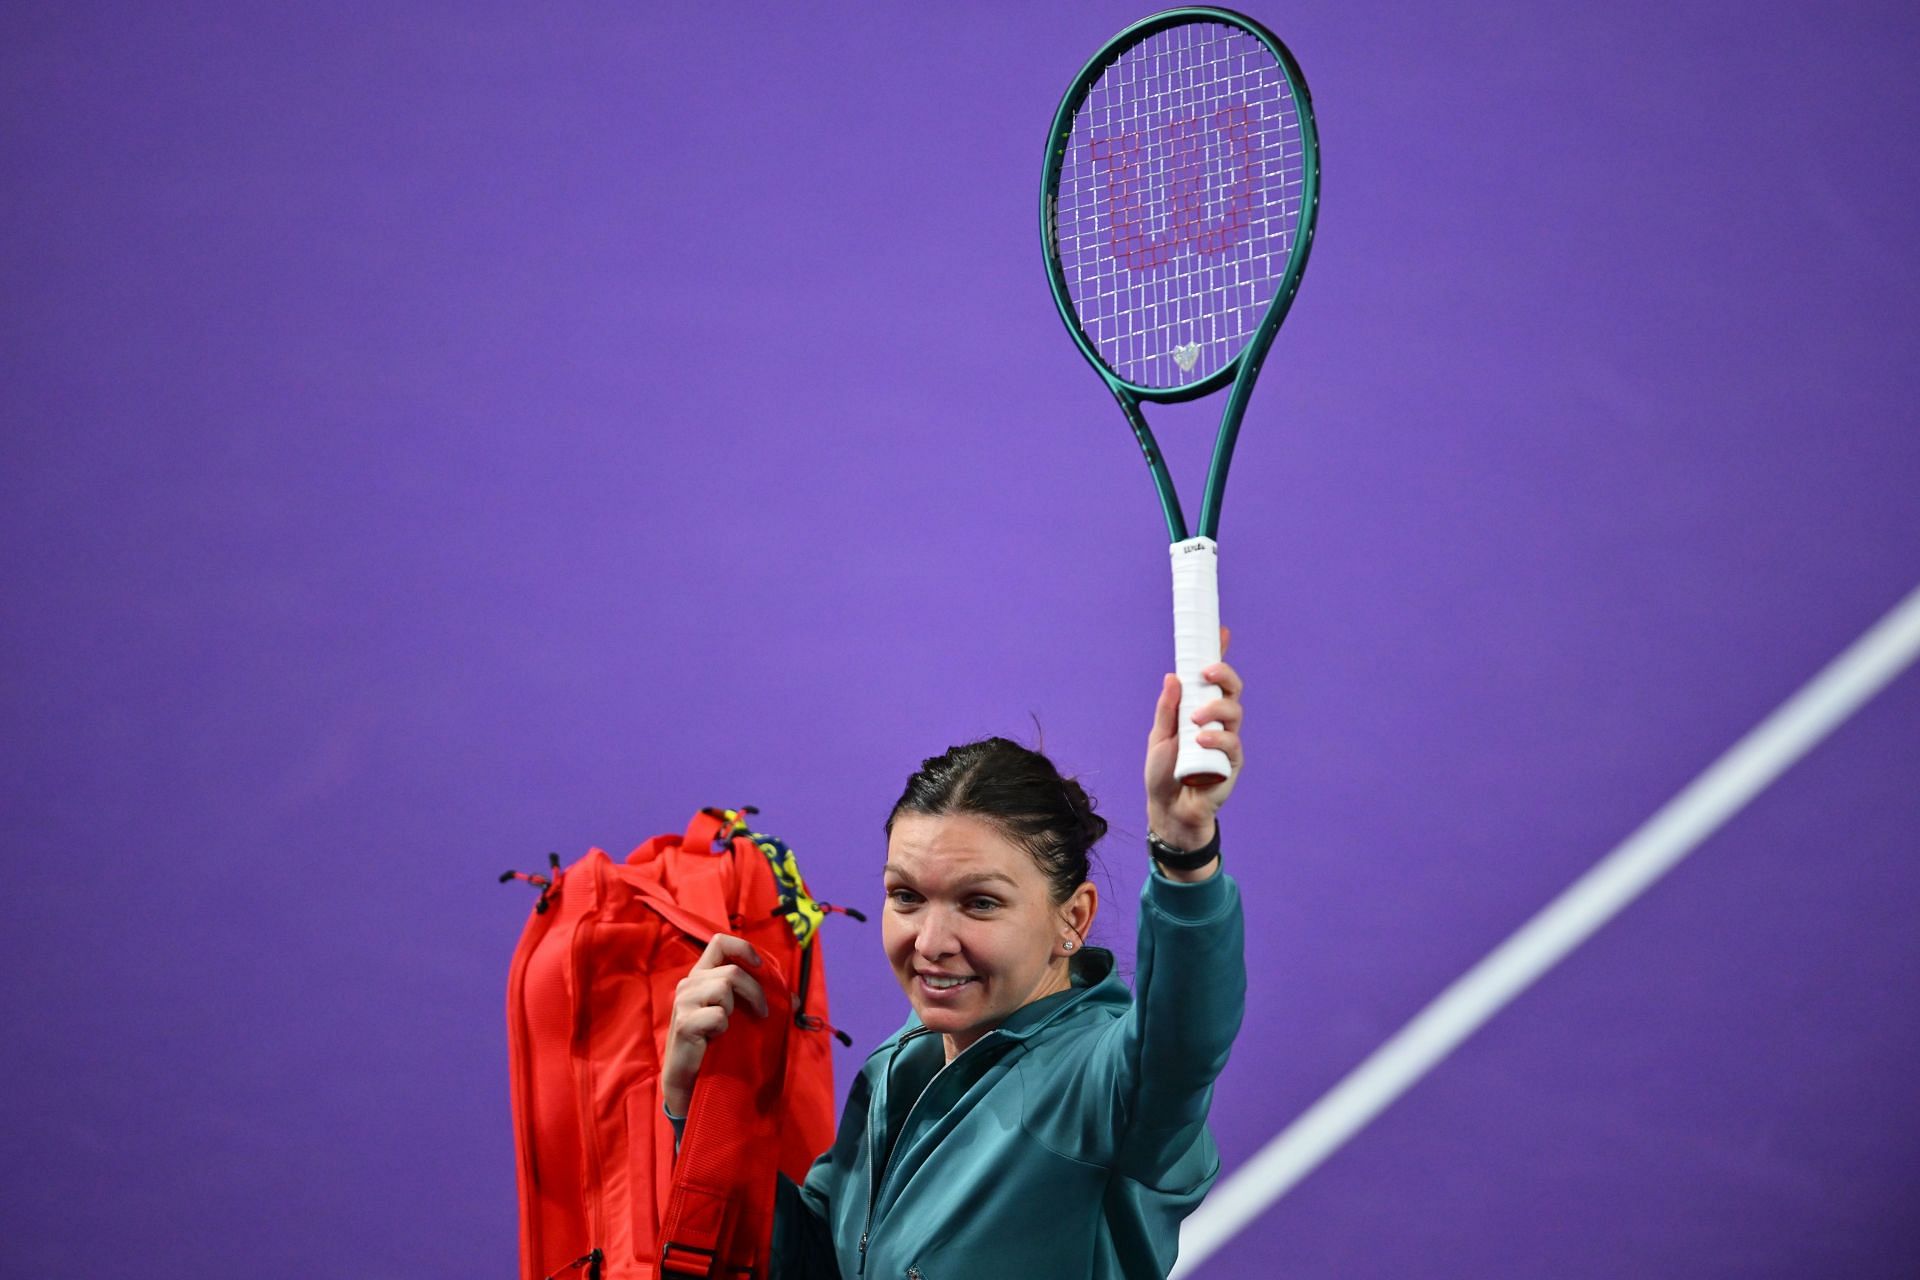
point(437, 434)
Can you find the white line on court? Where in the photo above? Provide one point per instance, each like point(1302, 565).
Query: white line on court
point(1748, 767)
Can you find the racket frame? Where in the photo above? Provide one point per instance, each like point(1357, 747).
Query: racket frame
point(1243, 368)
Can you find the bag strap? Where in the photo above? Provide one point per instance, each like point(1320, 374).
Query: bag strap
point(718, 1220)
point(695, 906)
point(696, 1223)
point(700, 878)
point(718, 1223)
point(706, 828)
point(696, 925)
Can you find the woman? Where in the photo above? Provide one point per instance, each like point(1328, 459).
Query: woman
point(1032, 1118)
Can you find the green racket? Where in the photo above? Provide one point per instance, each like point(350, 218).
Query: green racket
point(1182, 179)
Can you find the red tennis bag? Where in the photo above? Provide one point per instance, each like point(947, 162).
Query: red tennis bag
point(589, 1001)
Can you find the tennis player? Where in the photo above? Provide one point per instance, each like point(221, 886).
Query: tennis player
point(1033, 1117)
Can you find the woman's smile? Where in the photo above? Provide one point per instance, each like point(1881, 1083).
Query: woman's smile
point(944, 985)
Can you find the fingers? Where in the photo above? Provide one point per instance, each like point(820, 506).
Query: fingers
point(722, 989)
point(1226, 712)
point(716, 978)
point(1225, 677)
point(1221, 719)
point(714, 983)
point(703, 1024)
point(741, 986)
point(1223, 740)
point(724, 948)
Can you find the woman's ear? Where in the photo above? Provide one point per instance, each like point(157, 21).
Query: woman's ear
point(1078, 910)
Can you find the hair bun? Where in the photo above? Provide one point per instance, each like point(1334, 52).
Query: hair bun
point(1089, 826)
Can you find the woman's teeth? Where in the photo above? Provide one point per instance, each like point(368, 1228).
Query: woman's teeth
point(943, 984)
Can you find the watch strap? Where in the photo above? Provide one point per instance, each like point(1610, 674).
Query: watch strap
point(1176, 859)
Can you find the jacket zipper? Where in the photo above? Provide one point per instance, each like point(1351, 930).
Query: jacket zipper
point(880, 1181)
point(874, 1136)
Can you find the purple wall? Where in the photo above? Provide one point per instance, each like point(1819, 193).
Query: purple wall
point(437, 434)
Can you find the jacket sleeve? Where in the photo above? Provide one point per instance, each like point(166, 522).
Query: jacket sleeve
point(1190, 988)
point(802, 1238)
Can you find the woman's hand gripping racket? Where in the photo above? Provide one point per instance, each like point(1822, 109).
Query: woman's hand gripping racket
point(1182, 180)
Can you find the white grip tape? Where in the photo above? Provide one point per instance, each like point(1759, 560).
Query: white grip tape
point(1196, 646)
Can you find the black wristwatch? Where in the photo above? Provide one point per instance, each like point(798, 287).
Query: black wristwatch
point(1184, 859)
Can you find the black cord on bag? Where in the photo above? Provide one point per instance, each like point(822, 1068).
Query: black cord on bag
point(546, 883)
point(591, 1260)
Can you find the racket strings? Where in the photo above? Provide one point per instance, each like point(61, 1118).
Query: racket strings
point(1178, 201)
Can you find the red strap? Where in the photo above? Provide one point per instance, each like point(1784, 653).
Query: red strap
point(702, 832)
point(719, 1216)
point(688, 921)
point(697, 877)
point(697, 1225)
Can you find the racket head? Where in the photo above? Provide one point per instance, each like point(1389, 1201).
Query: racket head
point(1177, 205)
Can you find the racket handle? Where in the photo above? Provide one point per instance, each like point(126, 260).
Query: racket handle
point(1196, 646)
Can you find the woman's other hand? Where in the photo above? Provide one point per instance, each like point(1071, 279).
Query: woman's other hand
point(703, 1004)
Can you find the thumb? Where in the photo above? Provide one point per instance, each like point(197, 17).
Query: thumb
point(1165, 711)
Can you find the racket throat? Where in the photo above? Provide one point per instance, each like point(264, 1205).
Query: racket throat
point(1157, 465)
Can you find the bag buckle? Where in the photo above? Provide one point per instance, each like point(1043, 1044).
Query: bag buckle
point(687, 1260)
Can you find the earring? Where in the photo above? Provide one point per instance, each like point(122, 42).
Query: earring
point(1069, 944)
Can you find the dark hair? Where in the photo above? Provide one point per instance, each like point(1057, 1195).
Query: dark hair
point(1021, 794)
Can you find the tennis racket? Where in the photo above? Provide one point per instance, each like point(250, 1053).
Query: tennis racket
point(1182, 180)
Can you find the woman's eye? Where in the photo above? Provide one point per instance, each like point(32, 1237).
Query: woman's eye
point(984, 904)
point(903, 897)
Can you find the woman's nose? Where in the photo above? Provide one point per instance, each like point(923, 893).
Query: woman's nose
point(936, 937)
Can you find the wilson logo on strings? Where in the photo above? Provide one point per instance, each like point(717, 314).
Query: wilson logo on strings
point(1187, 184)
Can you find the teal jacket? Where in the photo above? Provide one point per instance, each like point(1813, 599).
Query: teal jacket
point(1069, 1142)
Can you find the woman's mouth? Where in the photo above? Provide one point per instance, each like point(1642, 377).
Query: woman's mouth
point(942, 985)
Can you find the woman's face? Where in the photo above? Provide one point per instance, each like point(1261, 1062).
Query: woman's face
point(970, 927)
